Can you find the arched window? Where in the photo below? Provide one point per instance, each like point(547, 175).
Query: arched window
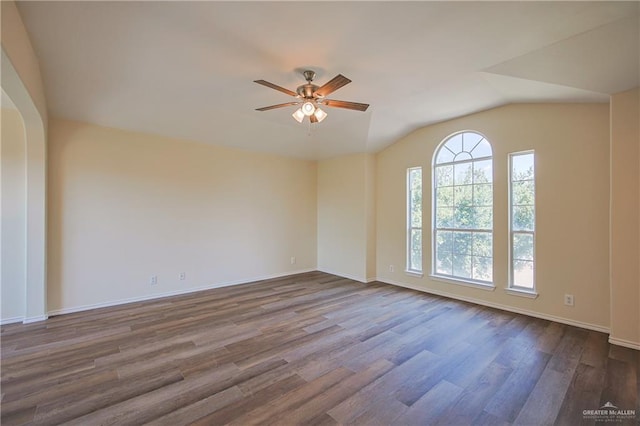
point(463, 209)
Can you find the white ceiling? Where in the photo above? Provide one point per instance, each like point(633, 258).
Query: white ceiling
point(186, 69)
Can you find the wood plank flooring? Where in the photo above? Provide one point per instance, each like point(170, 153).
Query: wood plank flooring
point(311, 349)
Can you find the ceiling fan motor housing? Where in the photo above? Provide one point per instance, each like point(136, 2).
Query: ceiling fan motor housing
point(306, 90)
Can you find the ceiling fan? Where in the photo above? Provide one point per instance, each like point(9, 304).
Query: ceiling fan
point(311, 96)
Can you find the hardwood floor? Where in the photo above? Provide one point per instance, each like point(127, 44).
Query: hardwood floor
point(310, 349)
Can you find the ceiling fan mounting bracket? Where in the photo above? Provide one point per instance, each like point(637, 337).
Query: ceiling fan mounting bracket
point(309, 75)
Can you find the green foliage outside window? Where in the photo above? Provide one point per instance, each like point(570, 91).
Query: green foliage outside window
point(415, 219)
point(522, 219)
point(463, 185)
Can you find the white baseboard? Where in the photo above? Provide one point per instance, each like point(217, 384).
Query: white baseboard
point(588, 326)
point(35, 319)
point(73, 309)
point(625, 343)
point(11, 320)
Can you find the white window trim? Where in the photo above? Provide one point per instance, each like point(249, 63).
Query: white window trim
point(519, 291)
point(451, 279)
point(410, 227)
point(483, 285)
point(511, 288)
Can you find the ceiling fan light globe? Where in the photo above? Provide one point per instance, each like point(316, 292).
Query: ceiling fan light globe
point(308, 108)
point(320, 114)
point(298, 115)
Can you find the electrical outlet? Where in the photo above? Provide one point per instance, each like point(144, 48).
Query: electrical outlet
point(391, 268)
point(293, 260)
point(183, 276)
point(153, 280)
point(568, 299)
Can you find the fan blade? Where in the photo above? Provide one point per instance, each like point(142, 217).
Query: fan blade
point(332, 85)
point(267, 108)
point(313, 118)
point(275, 86)
point(344, 104)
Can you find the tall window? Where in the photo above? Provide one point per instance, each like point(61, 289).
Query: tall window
point(463, 209)
point(414, 220)
point(522, 224)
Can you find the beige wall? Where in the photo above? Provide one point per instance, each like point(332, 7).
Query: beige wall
point(124, 206)
point(625, 219)
point(13, 216)
point(346, 216)
point(571, 142)
point(370, 215)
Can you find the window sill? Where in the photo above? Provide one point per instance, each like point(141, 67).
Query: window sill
point(414, 274)
point(521, 293)
point(472, 284)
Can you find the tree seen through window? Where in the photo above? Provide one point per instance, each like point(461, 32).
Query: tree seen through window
point(463, 208)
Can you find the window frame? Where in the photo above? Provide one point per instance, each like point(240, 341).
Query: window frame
point(484, 284)
point(410, 228)
point(512, 288)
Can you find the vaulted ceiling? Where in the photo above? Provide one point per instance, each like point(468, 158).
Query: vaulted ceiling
point(186, 69)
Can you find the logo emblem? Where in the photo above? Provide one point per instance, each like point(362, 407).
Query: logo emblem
point(609, 413)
